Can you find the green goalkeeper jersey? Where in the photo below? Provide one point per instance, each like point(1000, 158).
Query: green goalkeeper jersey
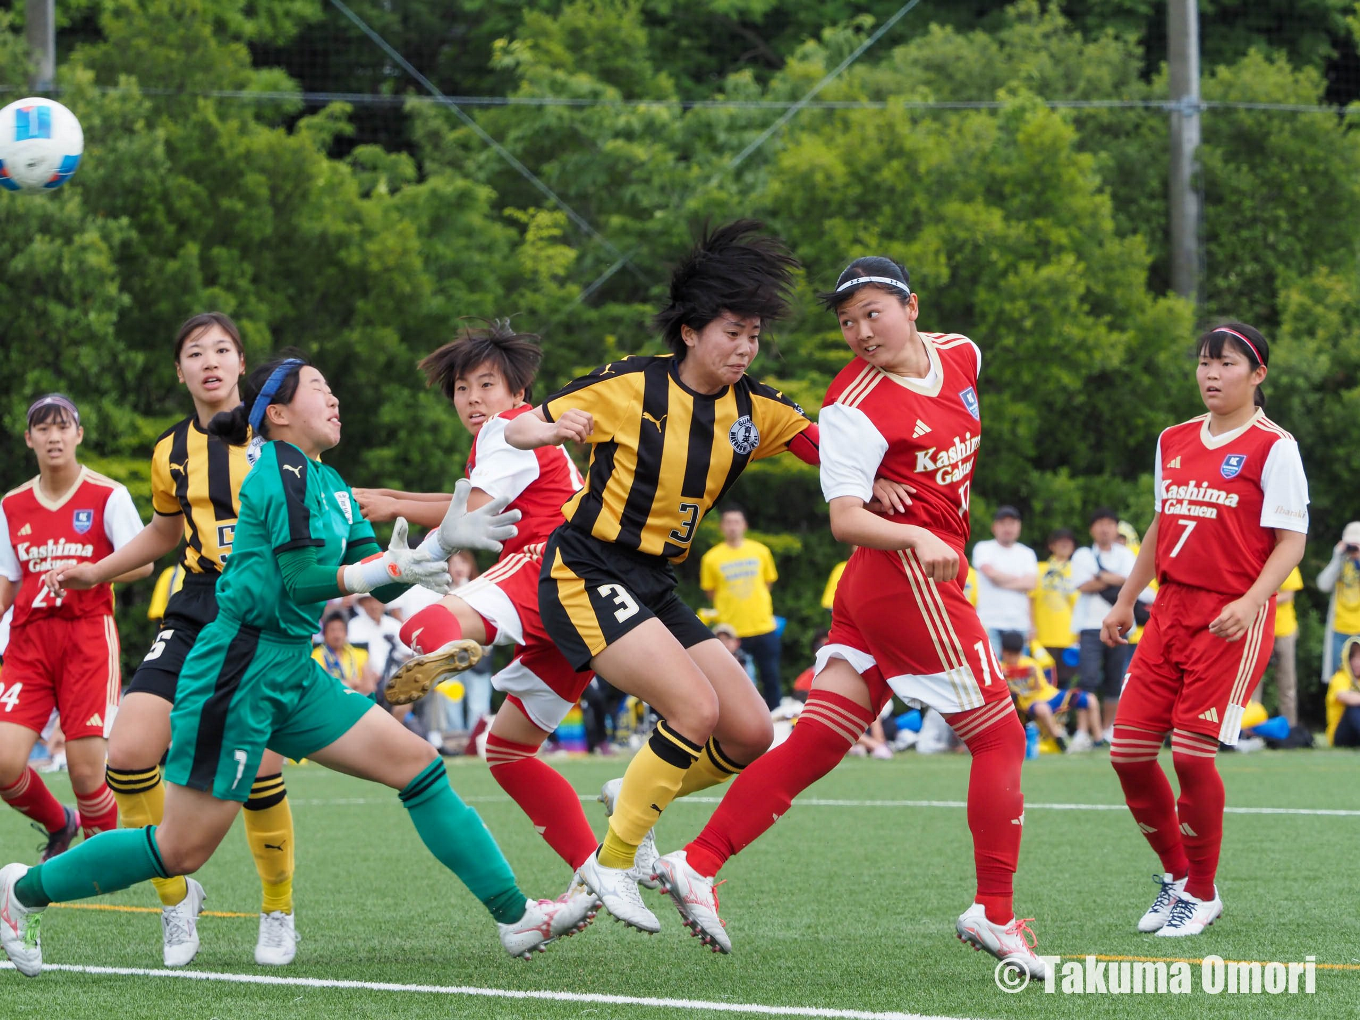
point(288, 501)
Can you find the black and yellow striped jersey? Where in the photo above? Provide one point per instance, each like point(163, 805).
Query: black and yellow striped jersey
point(661, 454)
point(199, 477)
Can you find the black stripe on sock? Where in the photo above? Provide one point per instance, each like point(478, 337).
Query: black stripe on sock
point(669, 751)
point(159, 864)
point(260, 801)
point(132, 782)
point(422, 783)
point(720, 761)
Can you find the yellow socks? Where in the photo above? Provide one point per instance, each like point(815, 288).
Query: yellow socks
point(269, 831)
point(712, 769)
point(141, 802)
point(653, 779)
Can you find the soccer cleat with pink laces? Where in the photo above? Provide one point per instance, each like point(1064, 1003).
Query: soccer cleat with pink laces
point(1012, 943)
point(696, 899)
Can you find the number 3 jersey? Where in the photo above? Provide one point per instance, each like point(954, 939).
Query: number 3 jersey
point(1221, 498)
point(922, 432)
point(92, 519)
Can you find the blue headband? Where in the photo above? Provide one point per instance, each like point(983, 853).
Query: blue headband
point(271, 387)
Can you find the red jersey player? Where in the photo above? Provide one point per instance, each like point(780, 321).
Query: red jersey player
point(907, 408)
point(63, 650)
point(487, 373)
point(1231, 523)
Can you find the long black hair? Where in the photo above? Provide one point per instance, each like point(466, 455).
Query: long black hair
point(1245, 340)
point(233, 427)
point(516, 355)
point(734, 268)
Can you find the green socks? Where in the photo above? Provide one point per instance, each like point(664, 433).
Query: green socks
point(107, 862)
point(455, 834)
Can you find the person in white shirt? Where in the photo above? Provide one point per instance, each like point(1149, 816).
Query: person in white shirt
point(1098, 571)
point(373, 629)
point(1007, 573)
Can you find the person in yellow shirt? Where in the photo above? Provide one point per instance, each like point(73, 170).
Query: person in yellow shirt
point(1053, 598)
point(1037, 699)
point(829, 592)
point(970, 587)
point(341, 659)
point(1341, 578)
point(1286, 638)
point(736, 577)
point(1343, 699)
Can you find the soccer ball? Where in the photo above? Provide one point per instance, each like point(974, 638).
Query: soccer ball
point(40, 145)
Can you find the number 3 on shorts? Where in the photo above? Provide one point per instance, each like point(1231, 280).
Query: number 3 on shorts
point(621, 598)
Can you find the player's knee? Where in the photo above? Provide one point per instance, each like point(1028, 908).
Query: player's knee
point(126, 754)
point(749, 741)
point(182, 856)
point(13, 764)
point(86, 776)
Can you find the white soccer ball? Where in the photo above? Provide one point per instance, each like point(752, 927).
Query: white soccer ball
point(40, 145)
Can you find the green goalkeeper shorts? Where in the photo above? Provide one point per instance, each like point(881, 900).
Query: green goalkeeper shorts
point(242, 691)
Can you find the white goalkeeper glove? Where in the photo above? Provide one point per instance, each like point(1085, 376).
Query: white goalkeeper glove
point(399, 565)
point(488, 527)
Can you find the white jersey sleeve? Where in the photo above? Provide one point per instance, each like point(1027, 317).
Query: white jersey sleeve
point(1285, 487)
point(1157, 477)
point(122, 522)
point(9, 562)
point(852, 450)
point(500, 469)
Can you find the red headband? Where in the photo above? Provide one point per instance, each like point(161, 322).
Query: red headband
point(1250, 346)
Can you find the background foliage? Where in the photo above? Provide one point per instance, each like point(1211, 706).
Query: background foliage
point(363, 231)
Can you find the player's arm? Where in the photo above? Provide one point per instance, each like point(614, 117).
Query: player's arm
point(532, 430)
point(1237, 617)
point(423, 508)
point(11, 573)
point(7, 591)
point(123, 526)
point(1119, 620)
point(853, 523)
point(130, 563)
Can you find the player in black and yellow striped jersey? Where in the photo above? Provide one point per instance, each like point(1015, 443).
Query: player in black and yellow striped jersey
point(669, 436)
point(195, 491)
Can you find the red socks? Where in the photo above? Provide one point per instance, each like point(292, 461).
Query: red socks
point(431, 628)
point(1133, 753)
point(98, 810)
point(996, 807)
point(546, 797)
point(827, 727)
point(1200, 808)
point(31, 797)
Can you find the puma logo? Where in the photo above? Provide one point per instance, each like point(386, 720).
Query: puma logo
point(607, 370)
point(271, 846)
point(656, 809)
point(179, 467)
point(658, 422)
point(295, 468)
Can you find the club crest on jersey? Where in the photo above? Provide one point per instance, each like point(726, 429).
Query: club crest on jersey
point(1232, 465)
point(82, 521)
point(970, 401)
point(743, 435)
point(343, 499)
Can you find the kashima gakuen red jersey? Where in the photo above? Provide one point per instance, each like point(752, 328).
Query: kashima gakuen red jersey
point(1221, 499)
point(922, 432)
point(36, 534)
point(537, 482)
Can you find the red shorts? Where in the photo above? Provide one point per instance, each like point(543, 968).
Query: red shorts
point(63, 663)
point(924, 638)
point(1184, 678)
point(539, 675)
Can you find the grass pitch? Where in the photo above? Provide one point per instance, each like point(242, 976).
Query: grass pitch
point(847, 905)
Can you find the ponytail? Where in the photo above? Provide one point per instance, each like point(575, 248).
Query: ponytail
point(276, 381)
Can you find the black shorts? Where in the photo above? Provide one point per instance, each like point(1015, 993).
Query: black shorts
point(190, 609)
point(592, 593)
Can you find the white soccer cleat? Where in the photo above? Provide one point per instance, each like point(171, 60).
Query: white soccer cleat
point(1012, 943)
point(617, 889)
point(277, 944)
point(575, 909)
point(1081, 742)
point(1190, 916)
point(647, 853)
point(179, 927)
point(695, 898)
point(20, 927)
point(1160, 911)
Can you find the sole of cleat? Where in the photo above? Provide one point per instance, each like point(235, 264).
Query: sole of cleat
point(418, 675)
point(695, 930)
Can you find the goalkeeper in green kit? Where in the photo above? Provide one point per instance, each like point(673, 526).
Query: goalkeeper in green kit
point(250, 682)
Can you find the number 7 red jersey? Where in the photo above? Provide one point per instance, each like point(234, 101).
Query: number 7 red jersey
point(922, 432)
point(1222, 498)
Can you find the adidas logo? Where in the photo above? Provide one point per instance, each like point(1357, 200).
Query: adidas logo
point(27, 529)
point(1147, 829)
point(1174, 464)
point(1185, 828)
point(1019, 821)
point(1210, 716)
point(94, 720)
point(540, 829)
point(921, 429)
